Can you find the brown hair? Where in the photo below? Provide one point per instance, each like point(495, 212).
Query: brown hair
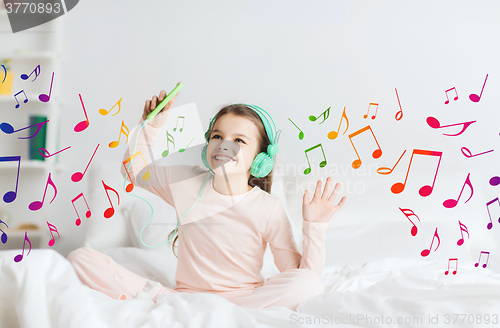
point(241, 110)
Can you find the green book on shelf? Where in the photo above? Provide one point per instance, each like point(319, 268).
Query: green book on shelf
point(37, 141)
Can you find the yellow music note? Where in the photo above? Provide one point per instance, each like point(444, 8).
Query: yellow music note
point(114, 144)
point(104, 112)
point(332, 134)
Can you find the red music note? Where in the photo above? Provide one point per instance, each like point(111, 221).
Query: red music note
point(333, 134)
point(386, 170)
point(376, 153)
point(110, 211)
point(7, 128)
point(51, 229)
point(325, 115)
point(25, 100)
point(434, 123)
point(490, 224)
point(19, 257)
point(36, 205)
point(376, 110)
point(104, 112)
point(398, 117)
point(475, 98)
point(87, 214)
point(43, 97)
point(45, 153)
point(114, 144)
point(10, 196)
point(83, 124)
point(467, 153)
point(407, 212)
point(4, 235)
point(452, 202)
point(425, 190)
point(145, 176)
point(322, 164)
point(484, 265)
point(77, 176)
point(495, 181)
point(448, 99)
point(462, 229)
point(456, 267)
point(36, 71)
point(426, 252)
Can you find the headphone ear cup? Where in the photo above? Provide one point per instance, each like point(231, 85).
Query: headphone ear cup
point(262, 165)
point(204, 157)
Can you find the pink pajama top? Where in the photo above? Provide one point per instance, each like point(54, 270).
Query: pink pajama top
point(222, 240)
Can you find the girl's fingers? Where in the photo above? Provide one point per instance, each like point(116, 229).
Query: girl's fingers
point(153, 102)
point(326, 192)
point(163, 93)
point(317, 192)
point(305, 198)
point(334, 193)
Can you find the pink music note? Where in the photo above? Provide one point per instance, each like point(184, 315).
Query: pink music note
point(52, 228)
point(25, 100)
point(407, 212)
point(485, 264)
point(7, 128)
point(425, 190)
point(77, 176)
point(333, 134)
point(467, 153)
point(495, 181)
point(426, 252)
point(448, 99)
point(10, 196)
point(87, 214)
point(452, 202)
point(387, 170)
point(45, 153)
point(114, 144)
point(434, 123)
point(43, 97)
point(110, 211)
point(36, 205)
point(456, 267)
point(398, 117)
point(85, 123)
point(462, 229)
point(145, 176)
point(490, 224)
point(4, 235)
point(376, 110)
point(376, 153)
point(104, 112)
point(475, 98)
point(19, 257)
point(36, 71)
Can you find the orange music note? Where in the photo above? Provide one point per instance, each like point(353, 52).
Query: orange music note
point(10, 196)
point(322, 164)
point(114, 144)
point(145, 176)
point(51, 229)
point(19, 257)
point(333, 134)
point(485, 264)
point(110, 211)
point(77, 176)
point(170, 138)
point(407, 212)
point(104, 112)
point(83, 124)
point(452, 202)
point(434, 123)
point(462, 229)
point(398, 116)
point(25, 100)
point(325, 115)
point(376, 110)
point(426, 252)
point(456, 267)
point(43, 97)
point(448, 99)
point(36, 205)
point(386, 170)
point(87, 214)
point(490, 224)
point(177, 123)
point(425, 190)
point(376, 153)
point(36, 71)
point(301, 134)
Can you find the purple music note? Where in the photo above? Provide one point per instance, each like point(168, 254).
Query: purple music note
point(485, 264)
point(10, 196)
point(43, 97)
point(19, 257)
point(36, 205)
point(25, 100)
point(36, 71)
point(490, 224)
point(4, 235)
point(7, 128)
point(495, 181)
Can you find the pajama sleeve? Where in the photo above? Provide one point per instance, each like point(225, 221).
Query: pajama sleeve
point(286, 255)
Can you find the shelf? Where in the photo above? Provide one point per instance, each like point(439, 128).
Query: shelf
point(34, 55)
point(10, 99)
point(30, 165)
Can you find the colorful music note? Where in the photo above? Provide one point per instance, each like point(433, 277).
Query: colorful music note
point(452, 202)
point(426, 252)
point(104, 112)
point(301, 134)
point(462, 229)
point(325, 115)
point(448, 99)
point(485, 264)
point(10, 196)
point(495, 181)
point(36, 205)
point(386, 170)
point(407, 212)
point(52, 228)
point(434, 123)
point(83, 124)
point(376, 153)
point(45, 153)
point(376, 110)
point(5, 71)
point(114, 144)
point(110, 211)
point(333, 134)
point(19, 257)
point(170, 138)
point(77, 176)
point(36, 71)
point(87, 214)
point(425, 190)
point(475, 98)
point(456, 267)
point(145, 176)
point(490, 224)
point(4, 235)
point(398, 117)
point(43, 97)
point(7, 128)
point(25, 100)
point(467, 153)
point(177, 123)
point(181, 150)
point(322, 164)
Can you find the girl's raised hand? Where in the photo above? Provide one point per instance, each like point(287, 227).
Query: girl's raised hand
point(150, 105)
point(321, 208)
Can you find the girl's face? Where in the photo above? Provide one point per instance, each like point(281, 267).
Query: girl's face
point(233, 144)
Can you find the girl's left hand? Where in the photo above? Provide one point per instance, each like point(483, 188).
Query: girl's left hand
point(321, 208)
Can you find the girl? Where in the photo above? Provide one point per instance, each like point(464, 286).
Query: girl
point(223, 238)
